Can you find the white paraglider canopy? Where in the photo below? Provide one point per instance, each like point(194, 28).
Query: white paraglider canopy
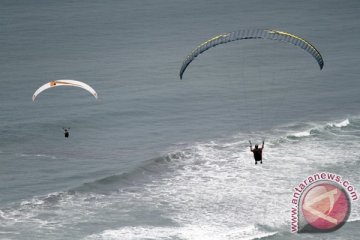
point(64, 82)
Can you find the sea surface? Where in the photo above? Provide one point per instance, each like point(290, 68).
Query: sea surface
point(159, 158)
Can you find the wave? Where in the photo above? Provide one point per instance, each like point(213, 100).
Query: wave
point(98, 191)
point(194, 157)
point(187, 232)
point(177, 182)
point(140, 175)
point(205, 188)
point(26, 155)
point(302, 134)
point(318, 130)
point(356, 219)
point(344, 123)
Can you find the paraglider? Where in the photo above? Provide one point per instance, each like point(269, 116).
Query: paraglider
point(64, 82)
point(257, 151)
point(66, 132)
point(253, 34)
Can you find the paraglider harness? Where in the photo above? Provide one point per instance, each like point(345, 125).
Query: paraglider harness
point(66, 132)
point(257, 152)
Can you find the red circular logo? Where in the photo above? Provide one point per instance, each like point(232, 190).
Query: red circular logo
point(326, 207)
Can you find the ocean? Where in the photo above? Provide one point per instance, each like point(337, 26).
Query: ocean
point(156, 157)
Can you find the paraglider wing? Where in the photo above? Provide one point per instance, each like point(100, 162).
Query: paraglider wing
point(64, 82)
point(253, 34)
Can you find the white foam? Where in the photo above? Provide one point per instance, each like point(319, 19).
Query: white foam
point(302, 134)
point(341, 124)
point(45, 156)
point(5, 232)
point(354, 219)
point(208, 191)
point(35, 155)
point(187, 232)
point(34, 201)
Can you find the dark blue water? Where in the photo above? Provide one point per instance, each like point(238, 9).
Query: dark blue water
point(156, 157)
